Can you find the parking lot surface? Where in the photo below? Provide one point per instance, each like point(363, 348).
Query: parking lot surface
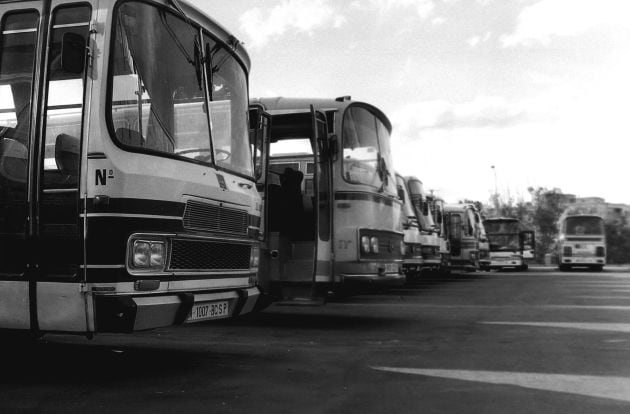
point(488, 342)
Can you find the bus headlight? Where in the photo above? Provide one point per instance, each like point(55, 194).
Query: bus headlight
point(374, 244)
point(148, 255)
point(365, 244)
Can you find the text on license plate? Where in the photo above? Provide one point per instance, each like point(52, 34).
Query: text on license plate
point(209, 310)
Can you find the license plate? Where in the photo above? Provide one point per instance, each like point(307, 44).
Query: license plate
point(209, 310)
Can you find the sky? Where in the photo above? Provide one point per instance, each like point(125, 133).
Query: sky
point(483, 95)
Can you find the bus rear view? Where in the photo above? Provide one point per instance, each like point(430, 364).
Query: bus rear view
point(582, 242)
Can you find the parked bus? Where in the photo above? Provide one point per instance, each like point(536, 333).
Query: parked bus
point(463, 236)
point(412, 261)
point(126, 177)
point(510, 246)
point(431, 259)
point(332, 213)
point(436, 206)
point(582, 242)
point(484, 244)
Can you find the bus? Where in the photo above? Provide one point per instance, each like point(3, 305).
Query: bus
point(330, 200)
point(412, 262)
point(484, 244)
point(464, 235)
point(127, 183)
point(510, 245)
point(431, 258)
point(582, 242)
point(436, 206)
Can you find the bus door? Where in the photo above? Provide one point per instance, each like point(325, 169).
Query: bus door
point(60, 303)
point(324, 157)
point(528, 243)
point(298, 212)
point(260, 127)
point(20, 33)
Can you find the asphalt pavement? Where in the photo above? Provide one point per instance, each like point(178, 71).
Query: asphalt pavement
point(540, 341)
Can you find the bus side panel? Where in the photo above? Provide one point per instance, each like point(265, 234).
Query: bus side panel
point(61, 307)
point(14, 305)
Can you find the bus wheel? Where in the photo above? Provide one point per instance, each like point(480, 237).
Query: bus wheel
point(564, 268)
point(597, 268)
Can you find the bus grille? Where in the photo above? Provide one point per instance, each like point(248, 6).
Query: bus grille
point(213, 218)
point(209, 255)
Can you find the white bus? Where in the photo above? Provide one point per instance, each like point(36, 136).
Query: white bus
point(431, 257)
point(332, 212)
point(463, 233)
point(126, 176)
point(436, 206)
point(510, 246)
point(412, 264)
point(582, 242)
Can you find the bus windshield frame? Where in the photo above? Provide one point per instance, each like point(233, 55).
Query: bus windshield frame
point(366, 146)
point(172, 113)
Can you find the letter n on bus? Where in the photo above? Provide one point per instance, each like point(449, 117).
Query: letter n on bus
point(101, 177)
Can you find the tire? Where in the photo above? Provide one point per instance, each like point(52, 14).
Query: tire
point(597, 268)
point(564, 267)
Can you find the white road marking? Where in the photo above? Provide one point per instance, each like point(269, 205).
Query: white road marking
point(615, 388)
point(589, 326)
point(600, 297)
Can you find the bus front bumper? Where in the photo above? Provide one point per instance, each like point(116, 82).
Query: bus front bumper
point(129, 313)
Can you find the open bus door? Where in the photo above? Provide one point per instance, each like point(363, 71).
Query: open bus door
point(296, 252)
point(528, 245)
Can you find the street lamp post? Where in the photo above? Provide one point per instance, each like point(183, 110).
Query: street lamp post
point(496, 191)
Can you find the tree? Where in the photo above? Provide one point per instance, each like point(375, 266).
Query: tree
point(548, 206)
point(617, 241)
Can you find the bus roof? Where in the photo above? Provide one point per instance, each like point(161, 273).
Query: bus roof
point(282, 105)
point(195, 14)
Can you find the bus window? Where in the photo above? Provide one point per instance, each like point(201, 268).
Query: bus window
point(455, 229)
point(166, 111)
point(64, 106)
point(17, 63)
point(360, 147)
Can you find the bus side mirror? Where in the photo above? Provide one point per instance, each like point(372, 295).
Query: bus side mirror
point(333, 147)
point(73, 47)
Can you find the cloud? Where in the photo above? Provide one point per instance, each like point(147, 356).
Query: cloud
point(424, 8)
point(476, 40)
point(301, 16)
point(540, 22)
point(483, 112)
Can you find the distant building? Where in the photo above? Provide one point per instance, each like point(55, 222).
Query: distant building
point(612, 213)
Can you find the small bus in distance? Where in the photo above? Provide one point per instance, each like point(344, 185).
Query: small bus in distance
point(582, 242)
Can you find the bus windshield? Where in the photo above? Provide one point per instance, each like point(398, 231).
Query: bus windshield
point(158, 102)
point(367, 157)
point(590, 226)
point(501, 227)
